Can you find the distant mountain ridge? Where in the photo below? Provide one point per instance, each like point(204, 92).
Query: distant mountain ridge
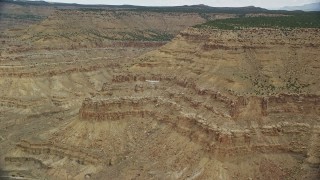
point(186, 8)
point(306, 7)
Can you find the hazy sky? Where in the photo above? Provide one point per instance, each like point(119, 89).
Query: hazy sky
point(218, 3)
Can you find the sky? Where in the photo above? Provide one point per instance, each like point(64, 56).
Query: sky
point(270, 4)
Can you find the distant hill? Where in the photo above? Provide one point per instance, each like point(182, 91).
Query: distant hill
point(201, 8)
point(306, 7)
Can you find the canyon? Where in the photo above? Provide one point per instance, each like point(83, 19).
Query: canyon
point(145, 94)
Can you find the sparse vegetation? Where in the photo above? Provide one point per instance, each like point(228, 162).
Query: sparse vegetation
point(263, 86)
point(21, 16)
point(295, 20)
point(294, 85)
point(180, 9)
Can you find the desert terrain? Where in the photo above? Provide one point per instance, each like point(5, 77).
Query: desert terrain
point(126, 92)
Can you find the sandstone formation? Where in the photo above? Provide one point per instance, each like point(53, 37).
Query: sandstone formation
point(126, 95)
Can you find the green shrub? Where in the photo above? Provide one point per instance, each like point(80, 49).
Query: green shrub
point(298, 20)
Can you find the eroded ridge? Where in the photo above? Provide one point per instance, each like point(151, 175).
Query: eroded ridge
point(58, 150)
point(216, 139)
